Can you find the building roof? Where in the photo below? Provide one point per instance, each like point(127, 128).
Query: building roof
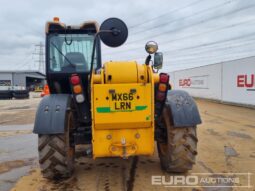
point(26, 72)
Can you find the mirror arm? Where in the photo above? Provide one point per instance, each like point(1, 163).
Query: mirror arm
point(148, 59)
point(94, 49)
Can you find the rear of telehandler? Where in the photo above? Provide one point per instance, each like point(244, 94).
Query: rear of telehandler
point(119, 108)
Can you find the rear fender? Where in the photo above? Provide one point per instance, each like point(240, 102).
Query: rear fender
point(183, 108)
point(51, 114)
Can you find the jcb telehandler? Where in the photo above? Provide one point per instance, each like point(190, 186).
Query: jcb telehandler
point(120, 108)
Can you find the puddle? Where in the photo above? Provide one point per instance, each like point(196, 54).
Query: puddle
point(240, 135)
point(18, 147)
point(230, 151)
point(16, 127)
point(8, 179)
point(14, 130)
point(17, 154)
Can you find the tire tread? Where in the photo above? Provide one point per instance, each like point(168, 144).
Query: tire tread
point(181, 146)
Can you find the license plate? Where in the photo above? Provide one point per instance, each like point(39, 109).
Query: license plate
point(122, 102)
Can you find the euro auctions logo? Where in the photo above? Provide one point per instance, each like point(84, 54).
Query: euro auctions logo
point(194, 82)
point(185, 82)
point(208, 180)
point(246, 81)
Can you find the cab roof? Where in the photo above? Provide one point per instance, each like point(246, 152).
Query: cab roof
point(59, 27)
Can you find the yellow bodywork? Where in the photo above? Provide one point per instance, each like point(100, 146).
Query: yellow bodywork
point(122, 108)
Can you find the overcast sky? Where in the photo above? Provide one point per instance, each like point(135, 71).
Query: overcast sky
point(189, 33)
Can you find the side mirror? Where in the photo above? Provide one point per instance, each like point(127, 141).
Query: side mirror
point(158, 60)
point(113, 32)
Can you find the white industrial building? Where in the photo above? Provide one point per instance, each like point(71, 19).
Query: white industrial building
point(24, 79)
point(231, 81)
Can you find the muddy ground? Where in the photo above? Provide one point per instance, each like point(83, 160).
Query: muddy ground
point(226, 145)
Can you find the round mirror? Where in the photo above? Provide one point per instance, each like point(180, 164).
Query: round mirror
point(118, 35)
point(151, 47)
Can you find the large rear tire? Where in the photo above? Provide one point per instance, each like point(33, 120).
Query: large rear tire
point(56, 154)
point(178, 152)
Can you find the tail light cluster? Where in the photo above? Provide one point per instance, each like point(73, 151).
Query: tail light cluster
point(77, 88)
point(160, 94)
point(162, 88)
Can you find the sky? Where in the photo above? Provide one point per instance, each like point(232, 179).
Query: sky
point(190, 33)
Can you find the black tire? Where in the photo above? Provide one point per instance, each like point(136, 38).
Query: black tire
point(21, 96)
point(5, 94)
point(178, 152)
point(56, 154)
point(20, 91)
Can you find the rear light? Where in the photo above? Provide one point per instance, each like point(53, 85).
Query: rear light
point(75, 80)
point(162, 87)
point(163, 78)
point(79, 98)
point(161, 94)
point(76, 86)
point(77, 89)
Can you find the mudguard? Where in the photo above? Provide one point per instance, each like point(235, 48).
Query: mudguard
point(51, 114)
point(183, 108)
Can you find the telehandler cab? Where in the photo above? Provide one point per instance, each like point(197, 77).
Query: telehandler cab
point(120, 108)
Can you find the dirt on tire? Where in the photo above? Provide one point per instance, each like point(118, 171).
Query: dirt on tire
point(56, 155)
point(179, 152)
point(53, 158)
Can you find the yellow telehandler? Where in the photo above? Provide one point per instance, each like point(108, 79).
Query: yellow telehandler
point(120, 108)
